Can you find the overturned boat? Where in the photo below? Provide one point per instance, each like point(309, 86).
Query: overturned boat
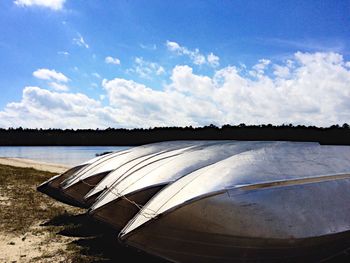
point(52, 186)
point(123, 198)
point(71, 186)
point(287, 202)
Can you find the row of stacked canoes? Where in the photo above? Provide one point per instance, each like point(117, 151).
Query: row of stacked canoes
point(218, 201)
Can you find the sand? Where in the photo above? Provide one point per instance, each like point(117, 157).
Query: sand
point(27, 163)
point(37, 228)
point(39, 243)
point(32, 247)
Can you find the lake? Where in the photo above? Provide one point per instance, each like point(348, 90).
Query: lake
point(69, 155)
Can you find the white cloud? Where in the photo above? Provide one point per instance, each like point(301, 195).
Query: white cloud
point(80, 41)
point(50, 74)
point(313, 91)
point(139, 103)
point(175, 47)
point(146, 69)
point(52, 4)
point(213, 60)
point(96, 75)
point(259, 69)
point(64, 53)
point(281, 71)
point(47, 109)
point(58, 86)
point(111, 60)
point(196, 57)
point(148, 47)
point(184, 81)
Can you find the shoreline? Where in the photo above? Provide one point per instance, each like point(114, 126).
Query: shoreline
point(29, 163)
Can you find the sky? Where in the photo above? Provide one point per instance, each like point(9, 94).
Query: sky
point(149, 63)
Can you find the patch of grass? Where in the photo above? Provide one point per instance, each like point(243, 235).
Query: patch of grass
point(23, 206)
point(24, 210)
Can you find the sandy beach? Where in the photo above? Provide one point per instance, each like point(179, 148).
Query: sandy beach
point(36, 228)
point(27, 163)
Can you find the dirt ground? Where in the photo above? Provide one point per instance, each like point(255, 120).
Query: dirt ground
point(36, 228)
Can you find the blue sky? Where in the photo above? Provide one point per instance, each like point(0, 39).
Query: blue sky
point(89, 64)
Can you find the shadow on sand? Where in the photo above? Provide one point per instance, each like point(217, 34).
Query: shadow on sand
point(97, 240)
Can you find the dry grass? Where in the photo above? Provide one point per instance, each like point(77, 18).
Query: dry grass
point(23, 205)
point(25, 213)
point(36, 228)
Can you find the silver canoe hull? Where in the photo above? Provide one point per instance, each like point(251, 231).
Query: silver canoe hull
point(76, 192)
point(71, 186)
point(271, 223)
point(168, 171)
point(80, 188)
point(119, 212)
point(52, 186)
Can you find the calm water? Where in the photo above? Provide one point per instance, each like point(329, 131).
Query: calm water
point(71, 155)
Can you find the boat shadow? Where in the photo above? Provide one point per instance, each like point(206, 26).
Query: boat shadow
point(99, 242)
point(96, 240)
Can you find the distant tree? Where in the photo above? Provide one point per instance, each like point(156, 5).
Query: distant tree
point(346, 126)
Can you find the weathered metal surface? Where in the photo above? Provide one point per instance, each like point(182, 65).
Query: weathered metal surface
point(162, 173)
point(118, 213)
point(80, 188)
point(92, 168)
point(55, 181)
point(260, 200)
point(114, 161)
point(135, 165)
point(117, 208)
point(52, 186)
point(77, 191)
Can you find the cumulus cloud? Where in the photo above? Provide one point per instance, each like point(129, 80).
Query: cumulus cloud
point(52, 4)
point(58, 86)
point(213, 60)
point(50, 74)
point(310, 89)
point(146, 69)
point(258, 69)
point(196, 57)
point(139, 103)
point(80, 41)
point(111, 60)
point(47, 109)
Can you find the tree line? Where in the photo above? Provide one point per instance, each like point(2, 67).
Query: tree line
point(335, 135)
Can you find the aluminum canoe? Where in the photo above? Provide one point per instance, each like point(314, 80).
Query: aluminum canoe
point(283, 203)
point(121, 201)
